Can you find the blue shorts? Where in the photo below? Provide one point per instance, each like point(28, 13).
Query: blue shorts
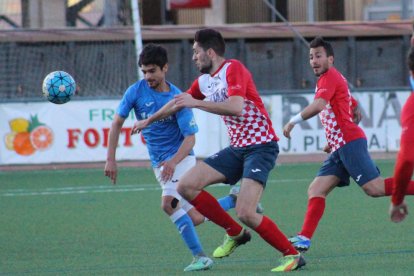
point(351, 160)
point(253, 162)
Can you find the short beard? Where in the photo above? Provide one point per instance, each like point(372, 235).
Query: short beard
point(319, 74)
point(207, 68)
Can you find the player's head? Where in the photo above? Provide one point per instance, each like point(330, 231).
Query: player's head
point(410, 63)
point(321, 55)
point(153, 62)
point(208, 44)
point(410, 59)
point(412, 37)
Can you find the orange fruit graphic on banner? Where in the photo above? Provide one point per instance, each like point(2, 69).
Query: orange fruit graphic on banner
point(22, 144)
point(27, 136)
point(41, 137)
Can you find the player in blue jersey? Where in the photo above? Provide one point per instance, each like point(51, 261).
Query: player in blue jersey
point(170, 144)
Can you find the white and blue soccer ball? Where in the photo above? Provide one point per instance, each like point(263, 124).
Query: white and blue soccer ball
point(59, 87)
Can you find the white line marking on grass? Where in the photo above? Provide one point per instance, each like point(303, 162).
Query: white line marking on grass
point(104, 189)
point(78, 190)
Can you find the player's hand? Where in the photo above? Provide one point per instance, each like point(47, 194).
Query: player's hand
point(184, 100)
point(357, 115)
point(398, 212)
point(287, 129)
point(111, 171)
point(138, 126)
point(327, 148)
point(167, 171)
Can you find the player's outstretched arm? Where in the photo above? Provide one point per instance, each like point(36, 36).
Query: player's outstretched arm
point(167, 110)
point(308, 112)
point(233, 106)
point(110, 165)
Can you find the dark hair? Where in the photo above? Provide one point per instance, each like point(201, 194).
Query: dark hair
point(153, 54)
point(210, 38)
point(320, 42)
point(410, 59)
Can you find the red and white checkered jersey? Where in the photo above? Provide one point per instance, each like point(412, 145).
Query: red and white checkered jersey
point(253, 126)
point(337, 116)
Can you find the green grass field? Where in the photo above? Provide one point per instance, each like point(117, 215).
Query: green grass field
point(74, 222)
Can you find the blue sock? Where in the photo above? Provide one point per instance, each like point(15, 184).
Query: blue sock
point(187, 231)
point(227, 202)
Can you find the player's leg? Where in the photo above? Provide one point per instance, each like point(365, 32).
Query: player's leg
point(222, 167)
point(176, 208)
point(191, 187)
point(259, 160)
point(318, 190)
point(363, 170)
point(329, 176)
point(227, 204)
point(250, 194)
point(186, 229)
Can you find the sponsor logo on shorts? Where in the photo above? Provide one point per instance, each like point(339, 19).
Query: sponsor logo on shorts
point(256, 170)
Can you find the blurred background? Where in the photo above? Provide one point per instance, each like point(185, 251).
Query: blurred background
point(94, 41)
point(97, 41)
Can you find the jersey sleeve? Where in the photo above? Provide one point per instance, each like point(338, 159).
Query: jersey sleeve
point(235, 76)
point(186, 122)
point(325, 88)
point(195, 92)
point(126, 104)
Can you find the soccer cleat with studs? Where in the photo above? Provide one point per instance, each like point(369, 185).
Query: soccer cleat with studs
point(199, 263)
point(290, 263)
point(231, 243)
point(300, 243)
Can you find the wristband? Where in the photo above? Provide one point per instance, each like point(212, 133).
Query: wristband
point(296, 119)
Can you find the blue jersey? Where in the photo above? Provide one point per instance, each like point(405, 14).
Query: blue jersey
point(163, 137)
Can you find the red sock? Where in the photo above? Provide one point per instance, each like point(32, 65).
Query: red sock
point(269, 231)
point(316, 207)
point(207, 205)
point(389, 185)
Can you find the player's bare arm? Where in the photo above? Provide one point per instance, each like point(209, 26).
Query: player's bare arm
point(308, 112)
point(168, 167)
point(356, 115)
point(233, 106)
point(167, 110)
point(110, 165)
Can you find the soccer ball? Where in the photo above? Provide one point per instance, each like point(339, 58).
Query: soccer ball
point(58, 87)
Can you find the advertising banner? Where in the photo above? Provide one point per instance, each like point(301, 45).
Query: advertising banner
point(381, 121)
point(41, 132)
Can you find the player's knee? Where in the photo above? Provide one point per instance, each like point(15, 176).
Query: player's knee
point(245, 216)
point(183, 189)
point(315, 191)
point(374, 188)
point(167, 207)
point(373, 193)
point(169, 204)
